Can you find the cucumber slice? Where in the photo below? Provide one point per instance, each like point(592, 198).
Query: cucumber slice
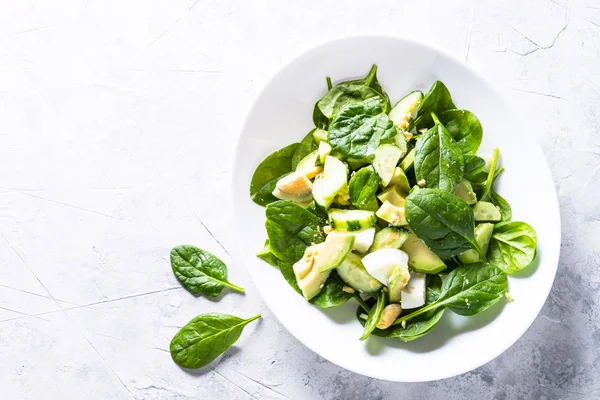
point(333, 251)
point(319, 135)
point(401, 143)
point(385, 161)
point(389, 238)
point(331, 182)
point(420, 258)
point(392, 214)
point(323, 151)
point(485, 211)
point(351, 220)
point(464, 190)
point(307, 166)
point(404, 110)
point(357, 163)
point(397, 281)
point(393, 196)
point(409, 161)
point(399, 179)
point(354, 274)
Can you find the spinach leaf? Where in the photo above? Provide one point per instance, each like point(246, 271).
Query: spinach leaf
point(474, 167)
point(437, 100)
point(443, 221)
point(332, 294)
point(374, 316)
point(291, 229)
point(438, 160)
point(205, 338)
point(266, 255)
point(199, 271)
point(371, 81)
point(468, 290)
point(359, 128)
point(434, 288)
point(306, 146)
point(363, 186)
point(500, 204)
point(465, 128)
point(287, 270)
point(265, 177)
point(512, 246)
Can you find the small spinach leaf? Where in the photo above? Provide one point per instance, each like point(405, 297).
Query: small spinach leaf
point(374, 316)
point(437, 100)
point(306, 146)
point(200, 271)
point(265, 177)
point(205, 338)
point(438, 160)
point(266, 255)
point(500, 204)
point(512, 246)
point(465, 128)
point(468, 290)
point(291, 229)
point(359, 128)
point(474, 167)
point(363, 186)
point(442, 220)
point(287, 270)
point(332, 293)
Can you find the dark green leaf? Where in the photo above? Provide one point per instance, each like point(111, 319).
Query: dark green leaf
point(273, 167)
point(266, 255)
point(205, 338)
point(474, 168)
point(437, 100)
point(291, 229)
point(465, 129)
point(434, 288)
point(359, 128)
point(199, 271)
point(374, 316)
point(500, 204)
point(287, 270)
point(363, 186)
point(512, 246)
point(332, 294)
point(306, 146)
point(438, 160)
point(442, 220)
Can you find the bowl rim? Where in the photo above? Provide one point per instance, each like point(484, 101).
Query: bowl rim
point(554, 198)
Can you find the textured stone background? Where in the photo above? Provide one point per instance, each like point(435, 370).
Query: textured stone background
point(108, 109)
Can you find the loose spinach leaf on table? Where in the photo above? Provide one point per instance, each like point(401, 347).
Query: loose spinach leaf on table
point(465, 128)
point(363, 186)
point(205, 338)
point(200, 271)
point(438, 160)
point(332, 294)
point(512, 246)
point(291, 229)
point(306, 146)
point(437, 100)
point(442, 220)
point(273, 167)
point(374, 316)
point(359, 128)
point(468, 290)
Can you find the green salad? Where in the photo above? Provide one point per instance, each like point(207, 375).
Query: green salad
point(391, 206)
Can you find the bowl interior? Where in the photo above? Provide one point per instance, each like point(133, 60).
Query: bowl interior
point(282, 114)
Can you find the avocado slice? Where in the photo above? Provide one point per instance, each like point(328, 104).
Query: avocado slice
point(485, 211)
point(399, 179)
point(392, 214)
point(392, 195)
point(333, 251)
point(389, 238)
point(464, 190)
point(483, 234)
point(397, 281)
point(310, 280)
point(403, 111)
point(420, 258)
point(354, 274)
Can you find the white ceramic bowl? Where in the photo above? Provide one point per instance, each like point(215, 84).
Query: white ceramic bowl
point(282, 114)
